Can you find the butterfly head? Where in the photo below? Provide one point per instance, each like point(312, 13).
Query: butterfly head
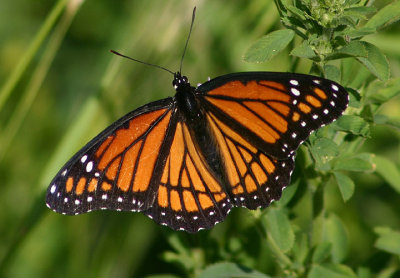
point(180, 81)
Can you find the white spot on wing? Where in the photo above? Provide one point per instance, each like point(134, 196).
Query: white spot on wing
point(89, 166)
point(295, 91)
point(53, 189)
point(294, 82)
point(83, 158)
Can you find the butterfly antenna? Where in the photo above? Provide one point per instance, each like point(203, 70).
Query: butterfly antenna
point(187, 40)
point(148, 64)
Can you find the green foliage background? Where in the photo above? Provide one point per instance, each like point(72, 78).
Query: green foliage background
point(60, 86)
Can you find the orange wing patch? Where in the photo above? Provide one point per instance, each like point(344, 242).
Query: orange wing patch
point(186, 171)
point(250, 173)
point(320, 93)
point(129, 159)
point(252, 90)
point(93, 185)
point(80, 187)
point(259, 106)
point(189, 196)
point(114, 172)
point(69, 184)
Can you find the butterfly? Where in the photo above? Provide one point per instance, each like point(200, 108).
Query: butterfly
point(186, 161)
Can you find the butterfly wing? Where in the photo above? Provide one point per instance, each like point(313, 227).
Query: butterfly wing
point(190, 197)
point(117, 169)
point(259, 119)
point(146, 161)
point(274, 111)
point(255, 178)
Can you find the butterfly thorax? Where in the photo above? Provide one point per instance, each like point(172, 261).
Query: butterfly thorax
point(185, 97)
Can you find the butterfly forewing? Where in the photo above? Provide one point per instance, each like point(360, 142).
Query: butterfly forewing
point(275, 111)
point(115, 169)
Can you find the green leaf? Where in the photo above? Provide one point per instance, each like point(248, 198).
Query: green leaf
point(230, 270)
point(355, 97)
point(375, 62)
point(353, 49)
point(332, 72)
point(388, 240)
point(356, 163)
point(323, 151)
point(321, 252)
point(288, 193)
point(304, 50)
point(346, 185)
point(268, 46)
point(385, 16)
point(359, 12)
point(337, 236)
point(388, 171)
point(353, 124)
point(380, 92)
point(357, 33)
point(361, 9)
point(279, 229)
point(331, 271)
point(297, 12)
point(300, 249)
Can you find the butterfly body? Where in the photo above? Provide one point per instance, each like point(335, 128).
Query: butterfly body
point(185, 161)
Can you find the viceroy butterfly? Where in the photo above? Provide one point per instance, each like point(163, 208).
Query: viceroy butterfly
point(186, 160)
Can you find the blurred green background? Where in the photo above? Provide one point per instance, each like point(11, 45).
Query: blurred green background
point(73, 87)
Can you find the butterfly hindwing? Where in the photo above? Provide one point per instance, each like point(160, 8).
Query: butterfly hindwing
point(275, 111)
point(255, 179)
point(189, 196)
point(115, 169)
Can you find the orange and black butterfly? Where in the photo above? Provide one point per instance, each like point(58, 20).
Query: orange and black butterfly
point(186, 160)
